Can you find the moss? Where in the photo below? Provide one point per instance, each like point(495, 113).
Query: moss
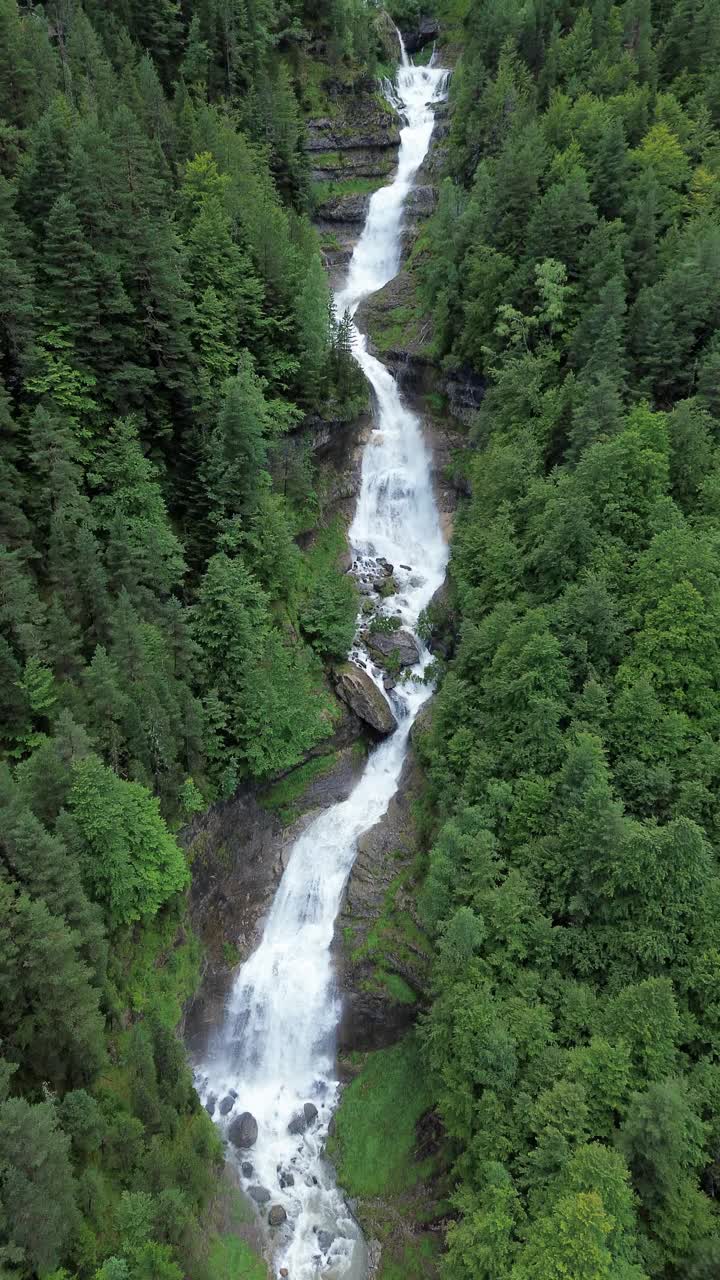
point(395, 947)
point(323, 191)
point(392, 985)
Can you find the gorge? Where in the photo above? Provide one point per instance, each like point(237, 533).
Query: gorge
point(276, 1050)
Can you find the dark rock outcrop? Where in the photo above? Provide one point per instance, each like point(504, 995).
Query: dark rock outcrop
point(361, 693)
point(277, 1215)
point(399, 645)
point(371, 1017)
point(243, 1131)
point(417, 37)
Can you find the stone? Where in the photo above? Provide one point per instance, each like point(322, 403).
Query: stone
point(303, 1119)
point(210, 1104)
point(277, 1216)
point(387, 568)
point(260, 1195)
point(286, 1179)
point(362, 695)
point(284, 1272)
point(243, 1131)
point(247, 1169)
point(227, 1103)
point(399, 645)
point(325, 1240)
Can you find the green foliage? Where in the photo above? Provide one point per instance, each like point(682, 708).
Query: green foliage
point(129, 859)
point(165, 329)
point(379, 1102)
point(572, 883)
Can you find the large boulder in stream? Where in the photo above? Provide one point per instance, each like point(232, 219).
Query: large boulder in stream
point(243, 1131)
point(399, 645)
point(362, 695)
point(303, 1119)
point(277, 1215)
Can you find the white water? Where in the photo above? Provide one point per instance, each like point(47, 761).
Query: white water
point(276, 1048)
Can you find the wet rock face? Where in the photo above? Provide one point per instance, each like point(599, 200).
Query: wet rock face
point(361, 693)
point(417, 37)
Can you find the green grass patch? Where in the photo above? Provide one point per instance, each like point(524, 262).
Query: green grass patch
point(394, 986)
point(230, 1258)
point(418, 1259)
point(283, 796)
point(323, 191)
point(375, 1141)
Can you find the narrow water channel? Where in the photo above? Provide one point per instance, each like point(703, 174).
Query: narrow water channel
point(276, 1048)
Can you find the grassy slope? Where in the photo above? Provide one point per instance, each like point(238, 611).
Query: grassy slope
point(381, 1160)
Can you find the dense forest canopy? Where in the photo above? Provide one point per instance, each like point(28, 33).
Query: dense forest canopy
point(165, 331)
point(574, 753)
point(165, 328)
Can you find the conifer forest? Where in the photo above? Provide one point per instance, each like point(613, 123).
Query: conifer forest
point(529, 944)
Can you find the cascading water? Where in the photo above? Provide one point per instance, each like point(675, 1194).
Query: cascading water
point(276, 1048)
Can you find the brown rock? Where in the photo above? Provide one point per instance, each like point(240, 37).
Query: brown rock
point(363, 696)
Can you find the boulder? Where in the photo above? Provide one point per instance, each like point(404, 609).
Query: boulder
point(362, 695)
point(400, 645)
point(286, 1179)
point(210, 1104)
point(247, 1169)
point(277, 1216)
point(243, 1131)
point(325, 1239)
point(227, 1103)
point(303, 1119)
point(260, 1195)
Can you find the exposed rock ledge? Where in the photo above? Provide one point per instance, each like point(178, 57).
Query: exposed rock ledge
point(372, 1017)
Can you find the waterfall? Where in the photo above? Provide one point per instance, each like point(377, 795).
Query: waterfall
point(276, 1047)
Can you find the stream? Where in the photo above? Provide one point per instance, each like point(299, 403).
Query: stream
point(273, 1062)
